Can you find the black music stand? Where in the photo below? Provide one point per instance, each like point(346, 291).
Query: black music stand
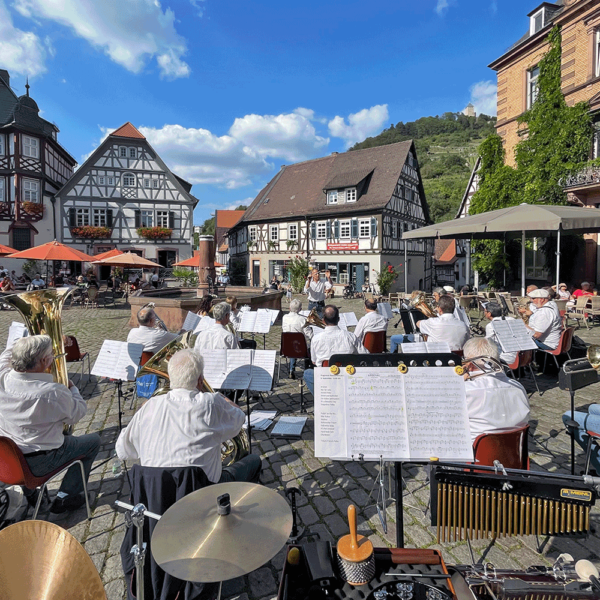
point(435, 359)
point(410, 318)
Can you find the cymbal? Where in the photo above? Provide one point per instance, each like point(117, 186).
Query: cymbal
point(193, 542)
point(42, 561)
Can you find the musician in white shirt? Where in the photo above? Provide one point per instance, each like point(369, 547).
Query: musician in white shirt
point(34, 412)
point(235, 318)
point(315, 288)
point(148, 334)
point(332, 341)
point(295, 322)
point(459, 311)
point(494, 402)
point(372, 321)
point(446, 327)
point(216, 337)
point(545, 324)
point(186, 427)
point(493, 312)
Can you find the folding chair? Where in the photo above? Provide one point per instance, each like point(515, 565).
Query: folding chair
point(509, 446)
point(564, 346)
point(524, 359)
point(293, 345)
point(579, 313)
point(74, 354)
point(374, 341)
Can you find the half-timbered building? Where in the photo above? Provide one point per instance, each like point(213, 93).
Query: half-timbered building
point(345, 213)
point(124, 196)
point(33, 166)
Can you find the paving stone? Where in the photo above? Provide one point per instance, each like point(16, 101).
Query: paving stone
point(323, 505)
point(115, 590)
point(262, 582)
point(308, 515)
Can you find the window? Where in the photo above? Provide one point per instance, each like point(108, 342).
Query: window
point(82, 217)
point(293, 232)
point(31, 190)
point(31, 147)
point(21, 238)
point(132, 152)
point(322, 230)
point(99, 217)
point(110, 180)
point(252, 233)
point(344, 229)
point(155, 183)
point(536, 21)
point(332, 197)
point(146, 183)
point(596, 57)
point(351, 195)
point(146, 218)
point(532, 86)
point(162, 218)
point(274, 233)
point(129, 180)
point(364, 228)
point(101, 180)
point(596, 145)
point(2, 145)
point(2, 189)
point(123, 152)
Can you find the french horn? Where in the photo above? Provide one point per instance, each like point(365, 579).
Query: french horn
point(314, 319)
point(231, 450)
point(420, 303)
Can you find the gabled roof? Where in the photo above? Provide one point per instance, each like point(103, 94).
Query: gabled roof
point(127, 131)
point(228, 218)
point(299, 189)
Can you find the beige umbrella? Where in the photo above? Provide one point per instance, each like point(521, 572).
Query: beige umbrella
point(127, 259)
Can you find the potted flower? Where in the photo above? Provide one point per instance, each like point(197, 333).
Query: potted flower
point(272, 245)
point(154, 233)
point(251, 244)
point(291, 244)
point(91, 233)
point(32, 208)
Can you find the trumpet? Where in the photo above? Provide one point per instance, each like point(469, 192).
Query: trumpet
point(314, 319)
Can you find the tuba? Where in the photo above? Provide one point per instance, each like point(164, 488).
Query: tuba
point(41, 310)
point(314, 319)
point(420, 303)
point(231, 450)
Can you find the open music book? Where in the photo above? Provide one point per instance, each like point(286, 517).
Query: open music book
point(273, 314)
point(191, 321)
point(380, 412)
point(513, 335)
point(239, 369)
point(425, 347)
point(118, 360)
point(255, 322)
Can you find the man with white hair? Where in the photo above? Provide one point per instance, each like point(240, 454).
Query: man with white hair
point(294, 322)
point(216, 337)
point(494, 402)
point(186, 427)
point(545, 324)
point(34, 412)
point(372, 321)
point(148, 334)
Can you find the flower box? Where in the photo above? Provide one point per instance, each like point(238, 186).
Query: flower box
point(91, 233)
point(34, 209)
point(155, 233)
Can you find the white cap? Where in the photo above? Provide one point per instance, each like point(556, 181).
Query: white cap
point(539, 293)
point(449, 288)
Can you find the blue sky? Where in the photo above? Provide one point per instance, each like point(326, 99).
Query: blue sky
point(227, 91)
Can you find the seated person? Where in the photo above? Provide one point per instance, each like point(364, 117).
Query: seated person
point(332, 341)
point(59, 280)
point(545, 324)
point(148, 334)
point(235, 318)
point(585, 290)
point(216, 337)
point(459, 311)
point(493, 312)
point(191, 426)
point(82, 282)
point(446, 327)
point(34, 412)
point(372, 321)
point(589, 421)
point(563, 292)
point(274, 283)
point(93, 283)
point(7, 285)
point(203, 311)
point(38, 282)
point(295, 322)
point(494, 402)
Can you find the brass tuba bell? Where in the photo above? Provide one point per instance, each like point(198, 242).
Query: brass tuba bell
point(593, 355)
point(314, 319)
point(420, 303)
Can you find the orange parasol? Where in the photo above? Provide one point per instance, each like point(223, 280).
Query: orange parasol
point(109, 254)
point(194, 261)
point(53, 251)
point(126, 259)
point(6, 250)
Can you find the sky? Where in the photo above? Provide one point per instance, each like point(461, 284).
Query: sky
point(228, 91)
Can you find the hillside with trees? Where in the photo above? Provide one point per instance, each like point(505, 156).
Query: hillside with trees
point(447, 150)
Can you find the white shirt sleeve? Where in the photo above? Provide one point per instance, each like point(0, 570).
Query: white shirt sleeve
point(226, 418)
point(125, 446)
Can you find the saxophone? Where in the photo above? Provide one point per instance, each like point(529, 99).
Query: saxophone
point(231, 450)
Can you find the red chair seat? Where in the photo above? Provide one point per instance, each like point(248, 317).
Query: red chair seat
point(509, 446)
point(374, 341)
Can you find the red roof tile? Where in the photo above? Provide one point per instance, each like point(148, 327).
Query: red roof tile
point(128, 131)
point(228, 218)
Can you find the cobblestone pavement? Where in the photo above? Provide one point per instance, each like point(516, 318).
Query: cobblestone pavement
point(328, 487)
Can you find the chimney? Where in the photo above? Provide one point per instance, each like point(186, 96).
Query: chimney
point(4, 75)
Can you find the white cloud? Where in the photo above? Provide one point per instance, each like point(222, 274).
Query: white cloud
point(199, 6)
point(20, 51)
point(483, 97)
point(365, 123)
point(130, 32)
point(441, 7)
point(494, 7)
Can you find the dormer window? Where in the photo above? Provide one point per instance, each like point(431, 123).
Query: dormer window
point(537, 21)
point(351, 195)
point(332, 197)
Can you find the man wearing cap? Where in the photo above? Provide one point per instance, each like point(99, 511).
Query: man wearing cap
point(545, 324)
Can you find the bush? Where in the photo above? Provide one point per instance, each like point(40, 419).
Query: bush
point(298, 269)
point(386, 278)
point(188, 277)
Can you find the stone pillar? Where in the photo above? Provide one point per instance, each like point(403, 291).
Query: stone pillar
point(206, 255)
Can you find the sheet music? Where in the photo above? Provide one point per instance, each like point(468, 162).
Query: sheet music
point(239, 369)
point(273, 314)
point(381, 412)
point(118, 360)
point(16, 331)
point(205, 323)
point(384, 309)
point(191, 321)
point(513, 335)
point(349, 318)
point(304, 313)
point(437, 414)
point(263, 369)
point(342, 324)
point(247, 322)
point(289, 426)
point(263, 322)
point(215, 367)
point(245, 308)
point(424, 347)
